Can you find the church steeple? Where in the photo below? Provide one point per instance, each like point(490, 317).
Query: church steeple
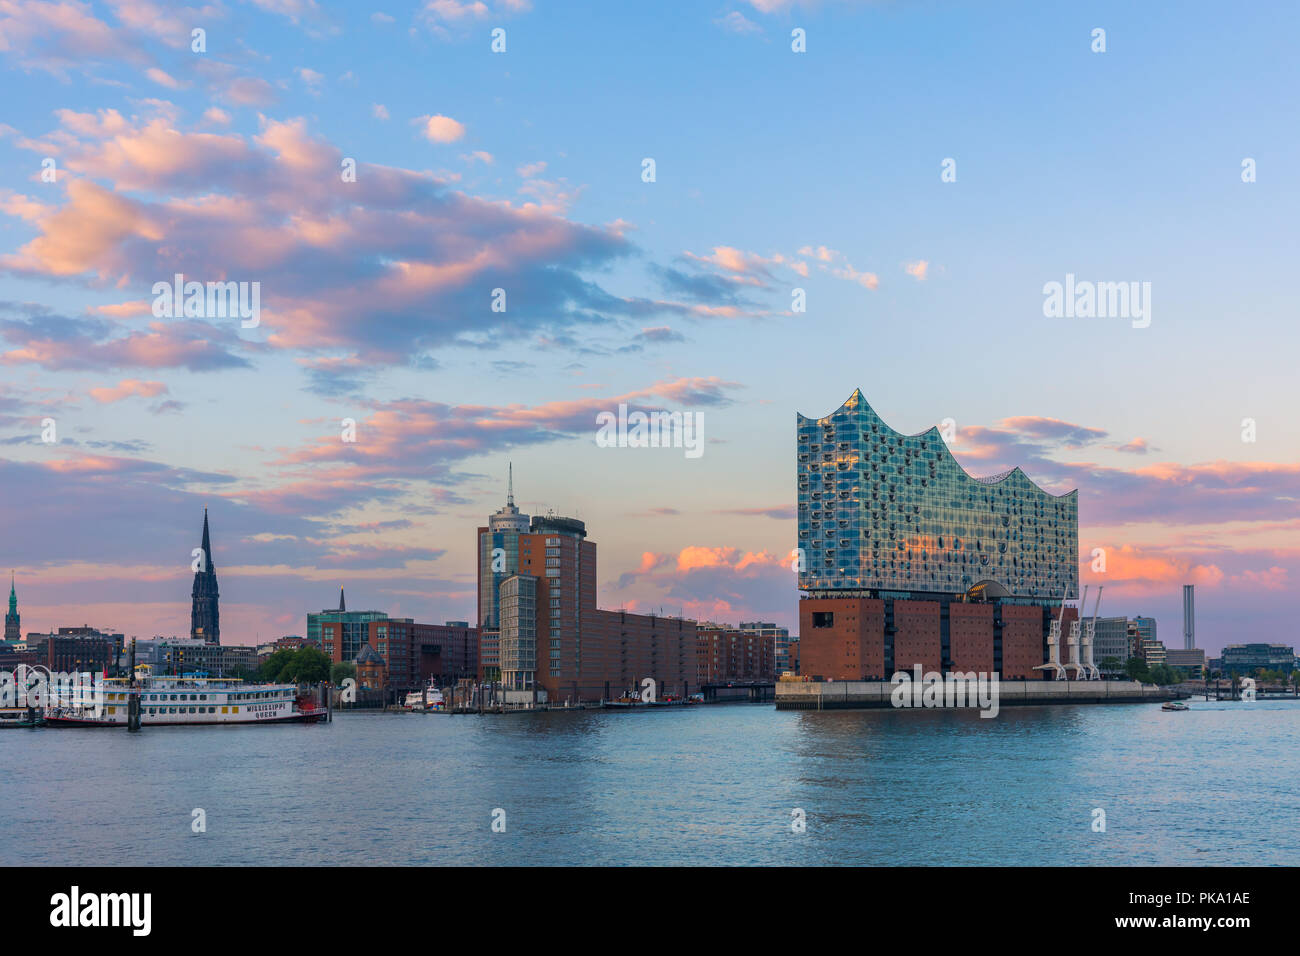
point(12, 621)
point(205, 615)
point(343, 604)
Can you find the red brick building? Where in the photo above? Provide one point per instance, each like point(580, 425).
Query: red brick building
point(730, 654)
point(414, 654)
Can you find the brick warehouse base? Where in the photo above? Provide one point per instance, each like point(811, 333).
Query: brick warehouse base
point(870, 638)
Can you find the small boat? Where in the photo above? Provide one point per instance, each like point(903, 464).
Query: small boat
point(625, 702)
point(1173, 705)
point(20, 717)
point(415, 700)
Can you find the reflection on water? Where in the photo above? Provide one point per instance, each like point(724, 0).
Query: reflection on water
point(1213, 785)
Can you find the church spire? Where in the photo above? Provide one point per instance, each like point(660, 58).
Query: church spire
point(12, 621)
point(343, 604)
point(205, 620)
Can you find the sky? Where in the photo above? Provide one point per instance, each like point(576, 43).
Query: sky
point(881, 209)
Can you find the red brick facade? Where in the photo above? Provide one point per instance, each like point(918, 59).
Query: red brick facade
point(917, 637)
point(845, 639)
point(842, 638)
point(729, 654)
point(970, 638)
point(1022, 641)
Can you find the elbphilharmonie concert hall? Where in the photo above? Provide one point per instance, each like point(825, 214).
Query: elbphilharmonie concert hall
point(906, 558)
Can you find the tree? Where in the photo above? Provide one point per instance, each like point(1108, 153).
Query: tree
point(273, 665)
point(341, 672)
point(1136, 669)
point(1111, 664)
point(1163, 674)
point(306, 665)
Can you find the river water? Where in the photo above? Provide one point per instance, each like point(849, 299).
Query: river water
point(718, 784)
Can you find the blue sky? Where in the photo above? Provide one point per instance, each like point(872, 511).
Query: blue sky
point(775, 170)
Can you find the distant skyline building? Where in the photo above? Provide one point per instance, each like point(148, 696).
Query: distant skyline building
point(1244, 659)
point(1190, 661)
point(1142, 631)
point(906, 559)
point(341, 633)
point(205, 614)
point(1111, 642)
point(725, 653)
point(13, 634)
point(778, 637)
point(1189, 617)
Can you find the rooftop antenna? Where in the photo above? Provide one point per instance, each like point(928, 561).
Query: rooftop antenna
point(510, 483)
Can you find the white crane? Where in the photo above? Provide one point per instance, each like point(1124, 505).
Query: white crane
point(1054, 646)
point(1089, 634)
point(1080, 672)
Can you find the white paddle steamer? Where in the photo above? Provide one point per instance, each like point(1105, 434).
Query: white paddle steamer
point(186, 700)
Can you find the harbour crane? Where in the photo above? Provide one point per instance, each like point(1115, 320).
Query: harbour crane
point(1054, 645)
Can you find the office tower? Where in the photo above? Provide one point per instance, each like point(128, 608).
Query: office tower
point(498, 559)
point(542, 634)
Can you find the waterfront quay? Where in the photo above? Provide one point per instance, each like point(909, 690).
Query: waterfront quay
point(865, 695)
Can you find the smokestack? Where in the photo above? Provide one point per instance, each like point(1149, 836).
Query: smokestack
point(1189, 617)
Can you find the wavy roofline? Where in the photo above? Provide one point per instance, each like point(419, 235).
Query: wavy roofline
point(988, 480)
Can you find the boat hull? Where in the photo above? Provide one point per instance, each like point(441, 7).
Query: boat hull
point(299, 718)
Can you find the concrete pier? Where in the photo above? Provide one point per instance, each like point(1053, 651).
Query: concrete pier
point(862, 695)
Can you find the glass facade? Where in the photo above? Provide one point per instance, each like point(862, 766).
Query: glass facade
point(356, 626)
point(883, 511)
point(518, 631)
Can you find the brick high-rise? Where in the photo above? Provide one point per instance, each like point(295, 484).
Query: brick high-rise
point(541, 629)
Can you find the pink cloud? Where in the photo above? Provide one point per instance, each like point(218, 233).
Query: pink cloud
point(126, 388)
point(441, 129)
